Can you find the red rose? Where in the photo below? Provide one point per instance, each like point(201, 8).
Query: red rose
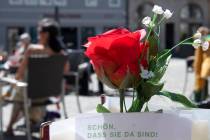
point(116, 53)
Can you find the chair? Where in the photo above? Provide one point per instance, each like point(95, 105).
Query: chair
point(45, 79)
point(77, 65)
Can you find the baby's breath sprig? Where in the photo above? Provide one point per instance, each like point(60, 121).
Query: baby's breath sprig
point(151, 23)
point(200, 42)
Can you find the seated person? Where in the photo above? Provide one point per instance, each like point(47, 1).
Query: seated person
point(49, 44)
point(202, 69)
point(15, 59)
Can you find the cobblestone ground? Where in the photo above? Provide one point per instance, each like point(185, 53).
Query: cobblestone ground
point(174, 81)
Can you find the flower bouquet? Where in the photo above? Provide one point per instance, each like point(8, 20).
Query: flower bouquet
point(133, 60)
point(124, 59)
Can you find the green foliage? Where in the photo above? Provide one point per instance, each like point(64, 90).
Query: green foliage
point(101, 109)
point(161, 65)
point(152, 63)
point(153, 44)
point(178, 98)
point(146, 109)
point(149, 88)
point(136, 106)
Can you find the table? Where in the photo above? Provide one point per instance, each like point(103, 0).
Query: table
point(185, 125)
point(4, 81)
point(1, 114)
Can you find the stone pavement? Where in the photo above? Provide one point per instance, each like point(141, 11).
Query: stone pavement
point(174, 81)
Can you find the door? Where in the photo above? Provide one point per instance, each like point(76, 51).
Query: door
point(86, 32)
point(69, 35)
point(169, 34)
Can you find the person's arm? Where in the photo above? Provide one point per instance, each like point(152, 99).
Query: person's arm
point(21, 70)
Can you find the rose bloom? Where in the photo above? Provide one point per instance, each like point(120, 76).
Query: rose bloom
point(115, 54)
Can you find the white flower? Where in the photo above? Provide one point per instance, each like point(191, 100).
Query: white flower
point(205, 46)
point(197, 35)
point(152, 24)
point(145, 74)
point(157, 10)
point(197, 43)
point(167, 14)
point(146, 21)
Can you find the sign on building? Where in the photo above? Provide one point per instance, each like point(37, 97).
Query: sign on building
point(91, 3)
point(38, 2)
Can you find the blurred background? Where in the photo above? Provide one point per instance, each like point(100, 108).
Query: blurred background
point(80, 19)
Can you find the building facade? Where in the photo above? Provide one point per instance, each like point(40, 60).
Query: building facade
point(188, 16)
point(78, 19)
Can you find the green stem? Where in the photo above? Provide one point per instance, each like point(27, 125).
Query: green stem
point(161, 20)
point(187, 43)
point(147, 37)
point(180, 43)
point(133, 94)
point(125, 106)
point(176, 46)
point(122, 97)
point(151, 28)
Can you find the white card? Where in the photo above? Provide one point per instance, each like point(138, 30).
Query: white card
point(133, 126)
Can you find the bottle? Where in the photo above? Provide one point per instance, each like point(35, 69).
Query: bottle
point(44, 131)
point(103, 99)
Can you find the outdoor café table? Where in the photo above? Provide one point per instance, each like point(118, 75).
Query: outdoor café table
point(1, 114)
point(182, 125)
point(5, 81)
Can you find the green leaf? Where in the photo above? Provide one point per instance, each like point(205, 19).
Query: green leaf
point(148, 89)
point(161, 53)
point(101, 109)
point(178, 98)
point(161, 66)
point(146, 109)
point(153, 40)
point(152, 63)
point(136, 106)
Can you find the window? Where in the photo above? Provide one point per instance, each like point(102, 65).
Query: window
point(60, 2)
point(91, 3)
point(114, 3)
point(192, 11)
point(86, 32)
point(31, 2)
point(107, 28)
point(15, 2)
point(191, 18)
point(142, 11)
point(33, 34)
point(45, 2)
point(69, 35)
